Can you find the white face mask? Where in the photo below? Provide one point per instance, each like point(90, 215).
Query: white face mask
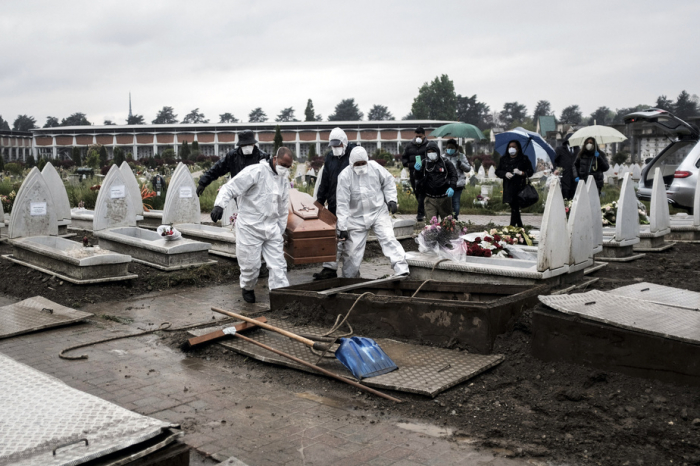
point(589, 146)
point(338, 151)
point(512, 150)
point(419, 140)
point(282, 171)
point(361, 170)
point(247, 150)
point(432, 155)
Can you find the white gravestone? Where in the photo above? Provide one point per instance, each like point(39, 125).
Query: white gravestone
point(318, 181)
point(114, 206)
point(553, 248)
point(580, 230)
point(181, 201)
point(481, 174)
point(596, 214)
point(627, 221)
point(33, 212)
point(58, 192)
point(492, 172)
point(132, 185)
point(636, 172)
point(659, 216)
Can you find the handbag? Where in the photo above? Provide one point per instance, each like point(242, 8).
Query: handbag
point(528, 195)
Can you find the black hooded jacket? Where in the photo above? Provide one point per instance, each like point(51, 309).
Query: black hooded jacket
point(511, 187)
point(232, 163)
point(408, 159)
point(332, 167)
point(434, 178)
point(564, 159)
point(588, 164)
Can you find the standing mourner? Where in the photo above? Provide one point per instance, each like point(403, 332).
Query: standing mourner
point(158, 183)
point(416, 148)
point(437, 178)
point(514, 169)
point(591, 161)
point(366, 195)
point(564, 160)
point(262, 193)
point(462, 166)
point(245, 154)
point(336, 160)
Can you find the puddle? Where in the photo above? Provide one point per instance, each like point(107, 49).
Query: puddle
point(426, 429)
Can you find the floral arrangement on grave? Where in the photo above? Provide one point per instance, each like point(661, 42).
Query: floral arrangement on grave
point(233, 219)
point(481, 200)
point(169, 233)
point(489, 246)
point(610, 214)
point(7, 202)
point(81, 205)
point(147, 194)
point(95, 187)
point(519, 235)
point(568, 205)
point(438, 235)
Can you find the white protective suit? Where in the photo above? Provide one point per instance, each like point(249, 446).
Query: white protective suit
point(263, 203)
point(362, 205)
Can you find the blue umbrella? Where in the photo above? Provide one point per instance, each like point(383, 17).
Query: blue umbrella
point(532, 143)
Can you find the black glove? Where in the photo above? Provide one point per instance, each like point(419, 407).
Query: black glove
point(216, 213)
point(393, 207)
point(200, 190)
point(343, 235)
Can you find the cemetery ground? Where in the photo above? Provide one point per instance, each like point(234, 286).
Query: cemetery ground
point(522, 411)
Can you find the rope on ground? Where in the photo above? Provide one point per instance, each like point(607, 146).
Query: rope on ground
point(163, 327)
point(337, 325)
point(428, 280)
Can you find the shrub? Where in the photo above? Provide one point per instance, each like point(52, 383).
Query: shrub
point(31, 162)
point(381, 162)
point(15, 168)
point(620, 158)
point(316, 163)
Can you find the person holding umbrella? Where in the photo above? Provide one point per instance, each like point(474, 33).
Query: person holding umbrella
point(415, 150)
point(514, 169)
point(591, 161)
point(564, 160)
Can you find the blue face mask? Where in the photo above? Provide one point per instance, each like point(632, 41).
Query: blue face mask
point(451, 151)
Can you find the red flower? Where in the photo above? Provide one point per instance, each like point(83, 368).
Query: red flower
point(488, 238)
point(496, 238)
point(487, 253)
point(477, 240)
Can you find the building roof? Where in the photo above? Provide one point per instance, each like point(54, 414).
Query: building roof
point(545, 124)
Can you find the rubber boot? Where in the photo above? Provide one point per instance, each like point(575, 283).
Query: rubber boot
point(249, 296)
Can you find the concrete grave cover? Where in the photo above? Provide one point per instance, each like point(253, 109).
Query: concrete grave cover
point(34, 212)
point(114, 206)
point(132, 185)
point(627, 222)
point(58, 192)
point(181, 201)
point(553, 248)
point(580, 230)
point(659, 218)
point(596, 214)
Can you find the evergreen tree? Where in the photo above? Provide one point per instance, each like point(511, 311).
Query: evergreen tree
point(513, 114)
point(436, 100)
point(227, 118)
point(685, 106)
point(257, 116)
point(51, 122)
point(571, 115)
point(165, 116)
point(542, 108)
point(135, 120)
point(4, 125)
point(194, 151)
point(195, 116)
point(664, 103)
point(379, 113)
point(24, 123)
point(470, 110)
point(41, 164)
point(76, 156)
point(287, 114)
point(76, 119)
point(602, 116)
point(104, 157)
point(31, 162)
point(184, 151)
point(278, 140)
point(346, 110)
point(118, 156)
point(312, 152)
point(309, 114)
point(2, 164)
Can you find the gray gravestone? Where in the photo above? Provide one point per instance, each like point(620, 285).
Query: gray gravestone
point(34, 213)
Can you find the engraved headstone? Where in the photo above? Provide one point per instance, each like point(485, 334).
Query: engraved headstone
point(114, 207)
point(133, 186)
point(181, 201)
point(33, 212)
point(58, 192)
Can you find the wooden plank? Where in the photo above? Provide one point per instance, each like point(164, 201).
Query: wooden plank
point(361, 285)
point(219, 334)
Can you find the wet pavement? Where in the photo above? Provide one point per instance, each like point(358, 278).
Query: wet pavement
point(228, 411)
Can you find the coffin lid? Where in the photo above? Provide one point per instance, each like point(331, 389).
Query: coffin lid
point(302, 205)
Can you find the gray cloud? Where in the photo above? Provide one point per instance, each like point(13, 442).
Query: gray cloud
point(224, 56)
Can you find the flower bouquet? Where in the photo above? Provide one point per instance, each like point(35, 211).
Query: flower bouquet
point(482, 201)
point(519, 235)
point(169, 233)
point(610, 214)
point(439, 236)
point(486, 245)
point(7, 202)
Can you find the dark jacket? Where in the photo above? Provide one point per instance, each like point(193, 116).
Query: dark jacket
point(329, 178)
point(565, 159)
point(434, 178)
point(511, 187)
point(408, 159)
point(588, 164)
point(232, 163)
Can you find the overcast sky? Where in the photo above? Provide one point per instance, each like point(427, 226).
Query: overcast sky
point(60, 57)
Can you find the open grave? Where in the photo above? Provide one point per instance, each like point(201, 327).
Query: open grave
point(643, 330)
point(558, 260)
point(619, 242)
point(82, 219)
point(652, 236)
point(115, 225)
point(686, 228)
point(59, 196)
point(182, 210)
point(33, 233)
point(441, 313)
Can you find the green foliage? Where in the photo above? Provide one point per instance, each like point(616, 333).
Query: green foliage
point(14, 168)
point(620, 157)
point(542, 108)
point(165, 116)
point(206, 200)
point(82, 192)
point(24, 123)
point(4, 125)
point(602, 116)
point(571, 115)
point(685, 106)
point(469, 148)
point(257, 116)
point(513, 114)
point(169, 156)
point(31, 162)
point(41, 164)
point(184, 151)
point(135, 120)
point(496, 158)
point(381, 154)
point(346, 110)
point(76, 119)
point(287, 114)
point(470, 110)
point(2, 163)
point(76, 156)
point(119, 156)
point(195, 116)
point(309, 114)
point(129, 157)
point(277, 140)
point(93, 158)
point(51, 122)
point(104, 157)
point(227, 118)
point(436, 100)
point(312, 152)
point(379, 113)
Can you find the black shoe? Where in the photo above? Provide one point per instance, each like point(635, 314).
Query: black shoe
point(249, 296)
point(325, 274)
point(420, 218)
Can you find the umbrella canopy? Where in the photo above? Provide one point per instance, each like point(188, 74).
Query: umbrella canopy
point(602, 135)
point(458, 130)
point(533, 145)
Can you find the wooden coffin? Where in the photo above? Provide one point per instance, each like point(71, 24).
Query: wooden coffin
point(310, 234)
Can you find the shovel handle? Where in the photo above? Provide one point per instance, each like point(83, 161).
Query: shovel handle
point(291, 335)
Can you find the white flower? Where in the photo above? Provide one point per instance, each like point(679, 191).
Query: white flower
point(605, 222)
point(487, 245)
point(493, 231)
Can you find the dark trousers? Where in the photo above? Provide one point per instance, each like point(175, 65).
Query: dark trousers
point(421, 203)
point(515, 219)
point(455, 201)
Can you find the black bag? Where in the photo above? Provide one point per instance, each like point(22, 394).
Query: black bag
point(527, 196)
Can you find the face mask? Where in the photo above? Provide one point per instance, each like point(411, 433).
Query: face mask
point(432, 155)
point(589, 146)
point(247, 150)
point(282, 171)
point(512, 151)
point(338, 151)
point(451, 151)
point(361, 170)
point(419, 140)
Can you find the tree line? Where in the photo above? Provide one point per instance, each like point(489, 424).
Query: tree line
point(436, 100)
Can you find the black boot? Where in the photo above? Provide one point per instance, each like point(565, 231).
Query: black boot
point(249, 296)
point(325, 274)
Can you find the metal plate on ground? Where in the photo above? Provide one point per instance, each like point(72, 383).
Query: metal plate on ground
point(35, 314)
point(39, 413)
point(632, 314)
point(660, 294)
point(424, 370)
